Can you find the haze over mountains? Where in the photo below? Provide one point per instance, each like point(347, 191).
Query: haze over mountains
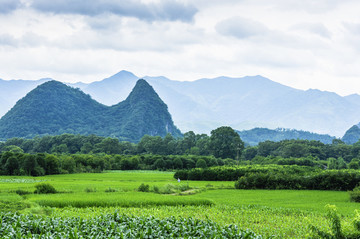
point(242, 103)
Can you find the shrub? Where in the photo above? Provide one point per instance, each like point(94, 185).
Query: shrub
point(44, 188)
point(21, 192)
point(355, 194)
point(110, 190)
point(336, 229)
point(156, 189)
point(144, 188)
point(90, 190)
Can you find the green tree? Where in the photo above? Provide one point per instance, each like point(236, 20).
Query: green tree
point(51, 164)
point(11, 165)
point(159, 164)
point(201, 163)
point(225, 143)
point(178, 164)
point(354, 164)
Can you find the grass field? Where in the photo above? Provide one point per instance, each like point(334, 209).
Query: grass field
point(278, 213)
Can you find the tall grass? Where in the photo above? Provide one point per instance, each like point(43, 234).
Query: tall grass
point(116, 199)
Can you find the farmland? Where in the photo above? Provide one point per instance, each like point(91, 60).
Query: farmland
point(279, 213)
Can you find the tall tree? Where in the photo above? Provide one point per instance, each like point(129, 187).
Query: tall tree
point(225, 143)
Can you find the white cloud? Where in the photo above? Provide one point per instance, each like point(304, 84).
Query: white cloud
point(298, 43)
point(241, 27)
point(164, 10)
point(313, 28)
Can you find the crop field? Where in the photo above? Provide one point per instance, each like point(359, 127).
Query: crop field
point(267, 213)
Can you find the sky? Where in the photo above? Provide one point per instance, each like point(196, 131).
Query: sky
point(303, 44)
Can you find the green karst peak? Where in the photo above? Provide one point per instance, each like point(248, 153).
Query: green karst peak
point(55, 108)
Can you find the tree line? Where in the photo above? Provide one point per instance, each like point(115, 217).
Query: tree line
point(223, 142)
point(40, 164)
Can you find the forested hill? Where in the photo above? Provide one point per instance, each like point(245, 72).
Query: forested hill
point(54, 108)
point(257, 135)
point(352, 135)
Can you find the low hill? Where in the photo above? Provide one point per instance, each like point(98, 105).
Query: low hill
point(55, 108)
point(352, 135)
point(257, 135)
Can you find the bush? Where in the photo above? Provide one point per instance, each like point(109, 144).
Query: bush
point(90, 190)
point(336, 229)
point(355, 194)
point(21, 192)
point(110, 190)
point(44, 188)
point(144, 188)
point(339, 180)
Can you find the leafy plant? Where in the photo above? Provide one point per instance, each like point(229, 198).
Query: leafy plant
point(355, 194)
point(115, 226)
point(110, 190)
point(44, 188)
point(90, 190)
point(144, 188)
point(335, 225)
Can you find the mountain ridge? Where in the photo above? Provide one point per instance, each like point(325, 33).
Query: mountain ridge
point(242, 103)
point(70, 110)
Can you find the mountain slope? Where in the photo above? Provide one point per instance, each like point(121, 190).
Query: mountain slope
point(144, 105)
point(111, 90)
point(13, 90)
point(352, 135)
point(54, 108)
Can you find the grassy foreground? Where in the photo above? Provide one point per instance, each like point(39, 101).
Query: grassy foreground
point(278, 213)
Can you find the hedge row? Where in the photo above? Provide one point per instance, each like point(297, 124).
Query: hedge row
point(232, 173)
point(340, 180)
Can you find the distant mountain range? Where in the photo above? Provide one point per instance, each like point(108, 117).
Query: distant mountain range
point(242, 103)
point(257, 135)
point(54, 108)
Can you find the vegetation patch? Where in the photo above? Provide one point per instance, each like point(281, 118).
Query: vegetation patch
point(116, 199)
point(44, 188)
point(117, 226)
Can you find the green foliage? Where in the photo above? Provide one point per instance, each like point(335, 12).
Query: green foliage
point(90, 190)
point(201, 163)
point(225, 143)
point(355, 194)
point(338, 163)
point(171, 188)
point(116, 225)
point(110, 190)
point(352, 135)
point(69, 110)
point(44, 188)
point(341, 180)
point(115, 199)
point(144, 188)
point(336, 229)
point(21, 192)
point(232, 173)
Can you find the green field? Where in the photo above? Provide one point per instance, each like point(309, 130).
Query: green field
point(278, 213)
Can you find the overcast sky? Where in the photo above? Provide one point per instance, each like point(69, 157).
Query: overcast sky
point(304, 44)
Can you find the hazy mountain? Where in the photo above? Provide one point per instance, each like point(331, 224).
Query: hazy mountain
point(352, 135)
point(242, 103)
point(111, 90)
point(55, 108)
point(13, 90)
point(257, 135)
